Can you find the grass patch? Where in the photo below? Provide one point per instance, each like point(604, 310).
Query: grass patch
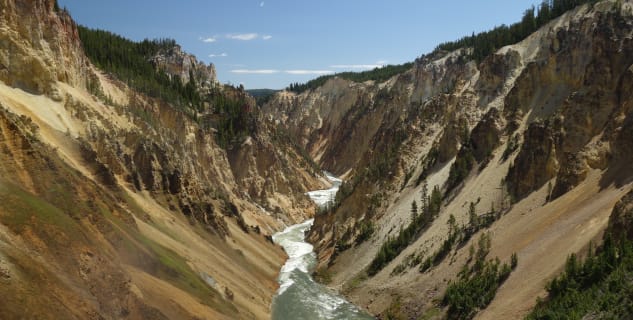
point(432, 313)
point(166, 264)
point(22, 208)
point(356, 281)
point(323, 275)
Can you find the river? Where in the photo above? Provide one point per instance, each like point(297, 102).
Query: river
point(299, 296)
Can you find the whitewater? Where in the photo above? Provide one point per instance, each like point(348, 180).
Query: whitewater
point(299, 296)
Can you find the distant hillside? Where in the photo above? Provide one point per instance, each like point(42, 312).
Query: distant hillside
point(261, 95)
point(485, 43)
point(482, 44)
point(257, 93)
point(377, 74)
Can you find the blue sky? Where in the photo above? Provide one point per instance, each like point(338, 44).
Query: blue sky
point(271, 43)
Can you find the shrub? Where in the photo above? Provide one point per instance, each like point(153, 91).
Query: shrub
point(601, 284)
point(476, 285)
point(394, 245)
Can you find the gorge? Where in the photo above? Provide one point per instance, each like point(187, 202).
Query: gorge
point(490, 178)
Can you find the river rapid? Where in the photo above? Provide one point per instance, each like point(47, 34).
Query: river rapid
point(299, 296)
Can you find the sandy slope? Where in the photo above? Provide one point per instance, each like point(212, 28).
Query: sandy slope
point(245, 264)
point(543, 237)
point(251, 281)
point(542, 234)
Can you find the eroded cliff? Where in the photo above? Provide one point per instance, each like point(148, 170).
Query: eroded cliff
point(119, 205)
point(528, 145)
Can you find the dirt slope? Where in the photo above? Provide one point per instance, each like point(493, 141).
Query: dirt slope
point(537, 133)
point(126, 207)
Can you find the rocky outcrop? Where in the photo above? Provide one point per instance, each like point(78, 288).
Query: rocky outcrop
point(494, 74)
point(326, 111)
point(274, 174)
point(454, 134)
point(484, 138)
point(537, 162)
point(40, 45)
point(178, 63)
point(621, 219)
point(577, 85)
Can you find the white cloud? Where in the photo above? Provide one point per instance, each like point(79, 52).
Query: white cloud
point(208, 40)
point(261, 4)
point(267, 37)
point(357, 66)
point(223, 54)
point(317, 72)
point(256, 71)
point(243, 36)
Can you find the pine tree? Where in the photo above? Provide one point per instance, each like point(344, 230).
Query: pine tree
point(472, 214)
point(436, 201)
point(452, 226)
point(425, 197)
point(414, 211)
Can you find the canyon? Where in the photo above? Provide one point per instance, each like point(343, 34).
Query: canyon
point(118, 204)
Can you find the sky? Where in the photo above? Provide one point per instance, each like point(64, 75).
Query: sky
point(272, 43)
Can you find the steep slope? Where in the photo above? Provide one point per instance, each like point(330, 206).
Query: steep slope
point(119, 205)
point(38, 65)
point(535, 138)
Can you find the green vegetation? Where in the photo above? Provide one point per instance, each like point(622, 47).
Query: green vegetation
point(394, 245)
point(394, 311)
point(485, 43)
point(130, 62)
point(464, 161)
point(470, 153)
point(21, 208)
point(262, 95)
point(377, 74)
point(428, 162)
point(355, 282)
point(284, 138)
point(382, 163)
point(165, 264)
point(460, 169)
point(365, 231)
point(477, 282)
point(430, 314)
point(235, 120)
point(511, 146)
point(459, 236)
point(600, 287)
point(323, 275)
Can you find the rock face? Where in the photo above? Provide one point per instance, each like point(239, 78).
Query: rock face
point(543, 120)
point(537, 161)
point(621, 219)
point(578, 85)
point(129, 208)
point(484, 137)
point(176, 62)
point(40, 45)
